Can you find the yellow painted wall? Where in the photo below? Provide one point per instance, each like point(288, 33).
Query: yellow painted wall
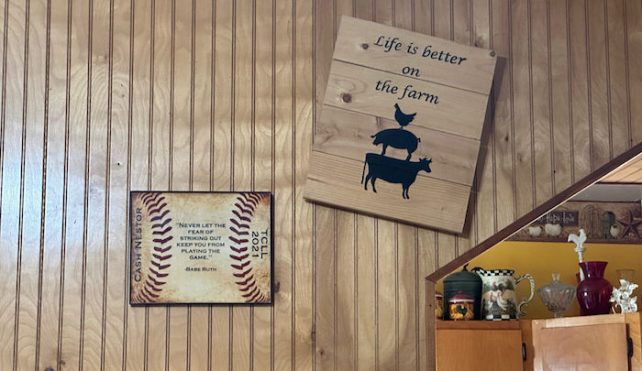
point(542, 259)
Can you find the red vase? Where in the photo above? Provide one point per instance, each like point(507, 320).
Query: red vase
point(594, 292)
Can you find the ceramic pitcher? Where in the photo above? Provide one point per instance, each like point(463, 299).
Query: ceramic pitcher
point(499, 301)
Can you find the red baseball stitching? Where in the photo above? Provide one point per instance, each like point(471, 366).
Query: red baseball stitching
point(150, 197)
point(244, 205)
point(158, 212)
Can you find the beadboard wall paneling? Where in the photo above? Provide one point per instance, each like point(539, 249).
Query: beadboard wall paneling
point(100, 97)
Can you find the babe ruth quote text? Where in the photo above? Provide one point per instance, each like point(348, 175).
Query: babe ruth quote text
point(202, 243)
point(392, 44)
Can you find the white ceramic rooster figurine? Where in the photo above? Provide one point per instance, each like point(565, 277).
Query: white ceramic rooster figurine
point(579, 247)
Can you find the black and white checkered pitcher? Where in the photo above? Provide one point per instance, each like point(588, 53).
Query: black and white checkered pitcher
point(499, 301)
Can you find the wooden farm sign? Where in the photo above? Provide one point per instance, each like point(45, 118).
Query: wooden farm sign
point(400, 127)
point(200, 247)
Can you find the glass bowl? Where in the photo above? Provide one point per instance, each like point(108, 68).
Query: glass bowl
point(557, 296)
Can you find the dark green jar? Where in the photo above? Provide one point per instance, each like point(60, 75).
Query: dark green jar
point(464, 282)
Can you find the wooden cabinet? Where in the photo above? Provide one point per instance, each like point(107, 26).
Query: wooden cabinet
point(605, 343)
point(601, 343)
point(479, 345)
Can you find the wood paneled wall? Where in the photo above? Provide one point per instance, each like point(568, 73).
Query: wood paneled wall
point(103, 96)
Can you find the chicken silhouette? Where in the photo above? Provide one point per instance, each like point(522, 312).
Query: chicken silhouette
point(403, 118)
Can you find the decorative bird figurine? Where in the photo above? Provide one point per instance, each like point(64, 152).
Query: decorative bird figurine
point(579, 247)
point(403, 118)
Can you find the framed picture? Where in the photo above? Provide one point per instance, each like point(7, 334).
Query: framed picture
point(200, 247)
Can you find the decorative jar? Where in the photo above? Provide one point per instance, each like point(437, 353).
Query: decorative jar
point(461, 307)
point(463, 282)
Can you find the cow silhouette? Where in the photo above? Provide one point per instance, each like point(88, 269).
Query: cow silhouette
point(392, 170)
point(397, 138)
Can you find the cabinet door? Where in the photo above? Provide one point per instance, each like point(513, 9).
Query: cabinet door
point(475, 350)
point(594, 347)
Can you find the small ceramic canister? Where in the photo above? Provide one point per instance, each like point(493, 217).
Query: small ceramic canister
point(463, 282)
point(439, 305)
point(461, 307)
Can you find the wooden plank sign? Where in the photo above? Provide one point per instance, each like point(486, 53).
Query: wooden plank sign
point(196, 247)
point(400, 127)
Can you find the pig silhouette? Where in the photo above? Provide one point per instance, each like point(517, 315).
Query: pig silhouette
point(397, 138)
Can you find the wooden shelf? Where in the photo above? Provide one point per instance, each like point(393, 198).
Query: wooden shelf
point(551, 322)
point(478, 325)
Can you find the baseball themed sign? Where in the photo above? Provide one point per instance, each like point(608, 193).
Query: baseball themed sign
point(401, 124)
point(193, 247)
